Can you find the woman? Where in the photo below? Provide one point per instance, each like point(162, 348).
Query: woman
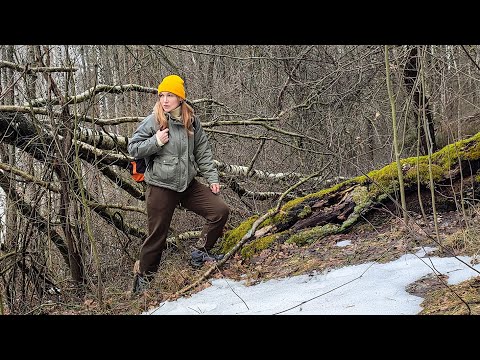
point(176, 147)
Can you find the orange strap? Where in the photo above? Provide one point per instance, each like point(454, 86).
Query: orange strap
point(136, 176)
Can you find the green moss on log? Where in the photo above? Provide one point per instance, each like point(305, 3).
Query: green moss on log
point(233, 236)
point(311, 235)
point(258, 245)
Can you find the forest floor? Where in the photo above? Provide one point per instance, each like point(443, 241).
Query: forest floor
point(382, 239)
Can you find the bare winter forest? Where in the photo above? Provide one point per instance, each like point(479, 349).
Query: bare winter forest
point(283, 121)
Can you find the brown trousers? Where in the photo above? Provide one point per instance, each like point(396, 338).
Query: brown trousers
point(161, 204)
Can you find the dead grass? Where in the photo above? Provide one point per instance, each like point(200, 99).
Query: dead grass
point(464, 241)
point(446, 302)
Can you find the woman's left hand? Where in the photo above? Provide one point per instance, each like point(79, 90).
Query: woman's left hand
point(215, 187)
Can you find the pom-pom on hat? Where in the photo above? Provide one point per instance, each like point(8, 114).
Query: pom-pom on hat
point(173, 84)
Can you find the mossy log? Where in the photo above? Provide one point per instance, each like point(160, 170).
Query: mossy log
point(455, 173)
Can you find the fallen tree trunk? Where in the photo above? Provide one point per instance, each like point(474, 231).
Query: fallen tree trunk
point(336, 209)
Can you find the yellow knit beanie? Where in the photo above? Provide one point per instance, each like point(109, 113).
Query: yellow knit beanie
point(173, 84)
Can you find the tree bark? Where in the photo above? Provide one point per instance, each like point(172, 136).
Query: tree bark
point(420, 100)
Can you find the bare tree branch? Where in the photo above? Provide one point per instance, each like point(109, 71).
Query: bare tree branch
point(88, 94)
point(28, 69)
point(29, 177)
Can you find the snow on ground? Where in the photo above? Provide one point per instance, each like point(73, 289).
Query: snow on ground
point(367, 289)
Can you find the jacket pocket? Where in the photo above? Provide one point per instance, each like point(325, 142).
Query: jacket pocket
point(165, 168)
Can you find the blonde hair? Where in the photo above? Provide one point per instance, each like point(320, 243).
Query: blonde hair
point(186, 111)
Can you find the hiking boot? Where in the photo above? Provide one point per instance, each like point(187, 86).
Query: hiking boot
point(199, 257)
point(140, 284)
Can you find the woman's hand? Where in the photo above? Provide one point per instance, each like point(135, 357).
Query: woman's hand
point(162, 136)
point(215, 187)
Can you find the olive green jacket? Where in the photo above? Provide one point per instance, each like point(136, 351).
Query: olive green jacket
point(174, 164)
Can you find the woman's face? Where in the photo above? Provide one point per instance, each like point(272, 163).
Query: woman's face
point(169, 101)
